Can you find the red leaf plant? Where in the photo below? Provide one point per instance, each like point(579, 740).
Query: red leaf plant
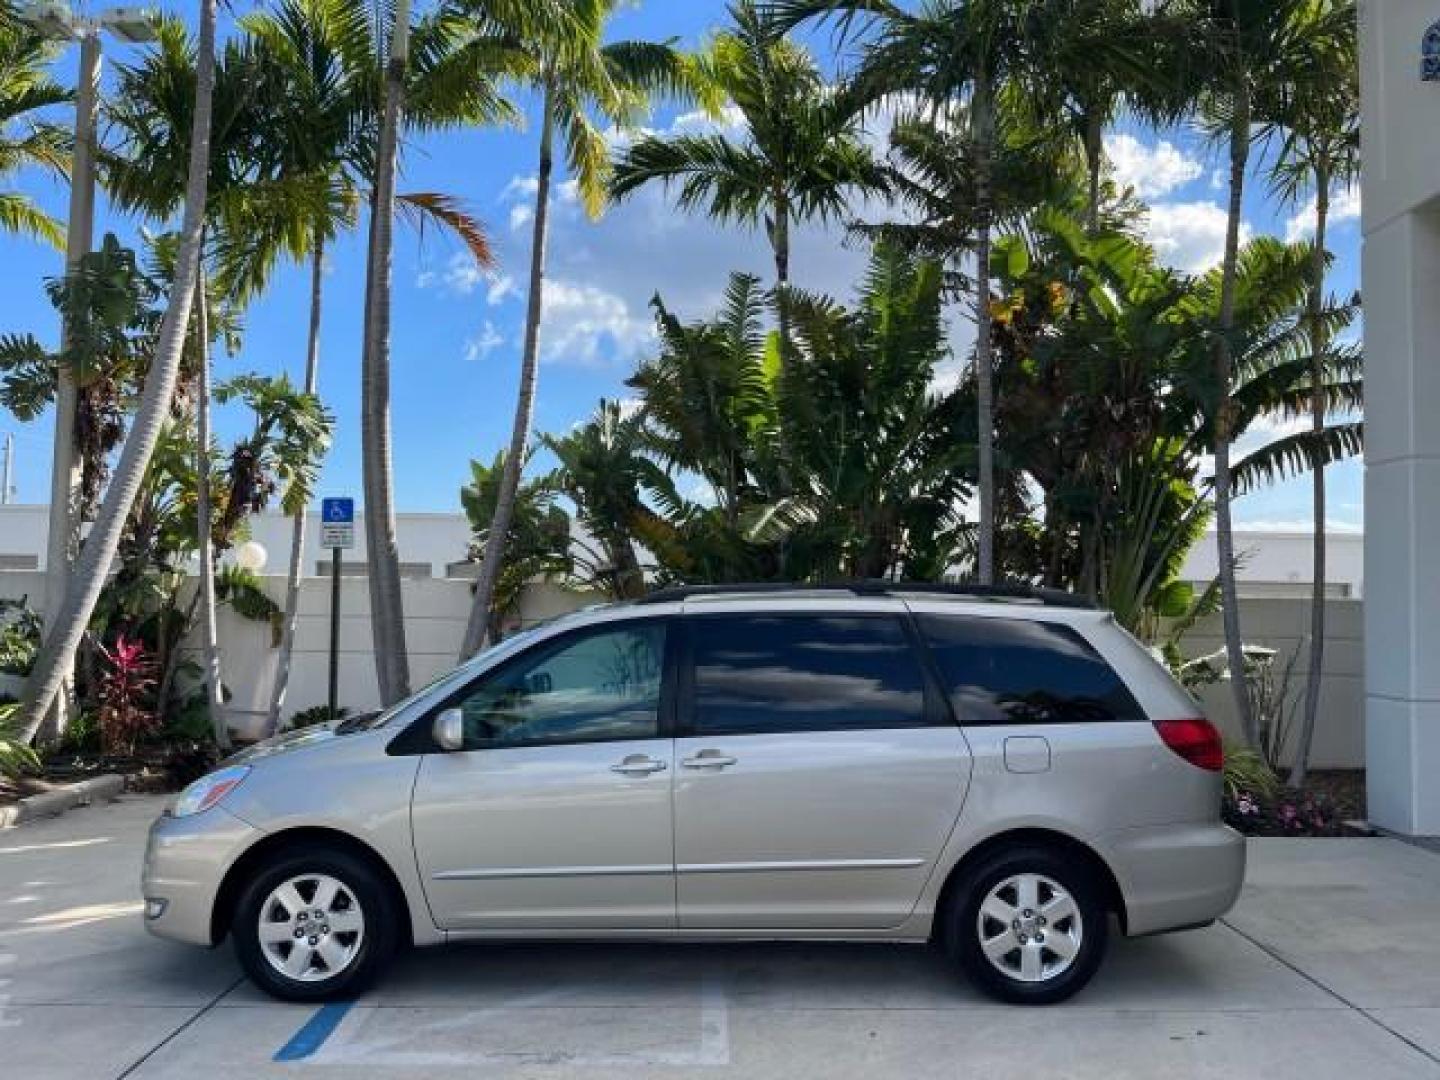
point(125, 690)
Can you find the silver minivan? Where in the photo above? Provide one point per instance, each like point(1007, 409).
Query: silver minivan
point(999, 771)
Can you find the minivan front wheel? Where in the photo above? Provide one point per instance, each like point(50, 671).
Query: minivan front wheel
point(1027, 925)
point(314, 926)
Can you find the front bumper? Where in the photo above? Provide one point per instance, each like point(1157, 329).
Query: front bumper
point(1175, 876)
point(186, 859)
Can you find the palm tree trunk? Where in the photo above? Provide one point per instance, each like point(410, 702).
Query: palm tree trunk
point(387, 613)
point(478, 628)
point(1094, 162)
point(1224, 533)
point(1318, 345)
point(98, 553)
point(297, 525)
point(204, 519)
point(984, 372)
point(780, 242)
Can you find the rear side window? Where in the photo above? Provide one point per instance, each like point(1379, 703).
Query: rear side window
point(1017, 671)
point(771, 673)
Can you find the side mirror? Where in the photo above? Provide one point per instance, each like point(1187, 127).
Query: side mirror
point(449, 730)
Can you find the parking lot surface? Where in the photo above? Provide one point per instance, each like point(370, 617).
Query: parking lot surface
point(1328, 967)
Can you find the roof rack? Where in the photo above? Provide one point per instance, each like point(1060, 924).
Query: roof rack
point(1006, 591)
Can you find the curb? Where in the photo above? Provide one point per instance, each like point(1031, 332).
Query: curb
point(49, 803)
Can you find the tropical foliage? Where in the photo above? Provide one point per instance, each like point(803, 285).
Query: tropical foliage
point(1018, 387)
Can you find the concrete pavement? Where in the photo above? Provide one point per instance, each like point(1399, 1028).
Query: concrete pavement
point(1328, 967)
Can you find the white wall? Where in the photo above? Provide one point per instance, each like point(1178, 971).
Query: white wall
point(1400, 265)
point(435, 614)
point(1284, 625)
point(435, 539)
point(1279, 563)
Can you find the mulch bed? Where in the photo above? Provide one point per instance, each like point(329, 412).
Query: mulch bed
point(1344, 789)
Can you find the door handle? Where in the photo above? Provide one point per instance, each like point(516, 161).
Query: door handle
point(638, 765)
point(708, 759)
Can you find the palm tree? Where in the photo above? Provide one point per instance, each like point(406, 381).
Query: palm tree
point(26, 88)
point(574, 74)
point(959, 58)
point(801, 156)
point(324, 58)
point(249, 223)
point(1252, 50)
point(487, 43)
point(74, 611)
point(1319, 116)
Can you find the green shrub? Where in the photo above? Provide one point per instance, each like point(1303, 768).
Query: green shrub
point(16, 758)
point(317, 714)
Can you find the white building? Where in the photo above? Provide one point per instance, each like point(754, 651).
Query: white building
point(430, 544)
point(1400, 270)
point(1272, 564)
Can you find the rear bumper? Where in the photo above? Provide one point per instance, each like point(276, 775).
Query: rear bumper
point(185, 861)
point(1176, 876)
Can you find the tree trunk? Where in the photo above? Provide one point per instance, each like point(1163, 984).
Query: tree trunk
point(780, 242)
point(204, 518)
point(387, 614)
point(98, 553)
point(1094, 162)
point(1318, 346)
point(477, 630)
point(1224, 534)
point(297, 526)
point(63, 540)
point(984, 372)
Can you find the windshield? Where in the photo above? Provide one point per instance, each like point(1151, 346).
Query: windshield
point(442, 683)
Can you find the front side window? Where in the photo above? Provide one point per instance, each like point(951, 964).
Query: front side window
point(593, 685)
point(772, 673)
point(1021, 671)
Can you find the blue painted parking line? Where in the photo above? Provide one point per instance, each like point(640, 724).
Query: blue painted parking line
point(314, 1032)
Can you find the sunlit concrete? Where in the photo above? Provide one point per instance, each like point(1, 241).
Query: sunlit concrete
point(1323, 970)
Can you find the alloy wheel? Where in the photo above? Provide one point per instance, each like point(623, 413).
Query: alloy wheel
point(1030, 928)
point(311, 927)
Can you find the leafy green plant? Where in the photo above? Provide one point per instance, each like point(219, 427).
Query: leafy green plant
point(317, 714)
point(241, 589)
point(16, 758)
point(20, 630)
point(1248, 773)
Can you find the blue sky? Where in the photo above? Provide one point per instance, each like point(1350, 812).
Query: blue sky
point(456, 332)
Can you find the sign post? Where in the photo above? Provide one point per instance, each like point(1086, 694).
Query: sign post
point(337, 532)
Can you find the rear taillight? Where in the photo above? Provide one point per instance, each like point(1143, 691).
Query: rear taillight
point(1194, 739)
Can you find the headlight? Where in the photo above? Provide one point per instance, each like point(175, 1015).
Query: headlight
point(209, 790)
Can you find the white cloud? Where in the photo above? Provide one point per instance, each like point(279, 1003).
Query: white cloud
point(484, 343)
point(501, 287)
point(1344, 206)
point(461, 275)
point(1190, 236)
point(520, 188)
point(586, 324)
point(520, 216)
point(1151, 171)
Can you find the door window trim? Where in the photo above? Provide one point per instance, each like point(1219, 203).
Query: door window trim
point(936, 708)
point(417, 737)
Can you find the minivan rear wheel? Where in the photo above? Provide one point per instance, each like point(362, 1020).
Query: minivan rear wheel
point(314, 926)
point(1028, 925)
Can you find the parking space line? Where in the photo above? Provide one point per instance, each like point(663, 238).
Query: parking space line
point(1278, 957)
point(143, 1058)
point(314, 1032)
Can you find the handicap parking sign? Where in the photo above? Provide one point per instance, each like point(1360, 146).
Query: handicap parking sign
point(337, 523)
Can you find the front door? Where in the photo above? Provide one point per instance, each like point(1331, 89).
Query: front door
point(557, 813)
point(816, 778)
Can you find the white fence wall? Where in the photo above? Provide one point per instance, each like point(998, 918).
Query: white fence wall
point(436, 610)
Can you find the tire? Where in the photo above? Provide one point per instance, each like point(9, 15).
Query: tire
point(289, 893)
point(1059, 953)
